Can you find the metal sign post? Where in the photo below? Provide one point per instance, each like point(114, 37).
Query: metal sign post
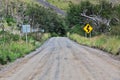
point(26, 30)
point(85, 34)
point(90, 34)
point(26, 37)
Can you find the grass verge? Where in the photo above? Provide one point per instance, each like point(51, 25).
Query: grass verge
point(110, 44)
point(13, 50)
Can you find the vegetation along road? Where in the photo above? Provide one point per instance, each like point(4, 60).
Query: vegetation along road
point(59, 58)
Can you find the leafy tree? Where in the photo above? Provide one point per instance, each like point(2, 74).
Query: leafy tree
point(100, 16)
point(18, 12)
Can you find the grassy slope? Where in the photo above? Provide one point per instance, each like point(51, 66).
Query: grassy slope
point(64, 4)
point(10, 50)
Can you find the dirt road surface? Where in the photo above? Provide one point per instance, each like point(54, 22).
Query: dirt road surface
point(62, 59)
point(47, 4)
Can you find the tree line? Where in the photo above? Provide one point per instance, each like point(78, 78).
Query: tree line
point(15, 13)
point(104, 17)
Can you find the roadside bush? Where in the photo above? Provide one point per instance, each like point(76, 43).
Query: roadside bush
point(102, 10)
point(3, 58)
point(54, 34)
point(115, 30)
point(77, 29)
point(11, 21)
point(18, 48)
point(15, 37)
point(14, 50)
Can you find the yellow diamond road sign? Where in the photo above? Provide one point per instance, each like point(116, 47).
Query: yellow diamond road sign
point(88, 28)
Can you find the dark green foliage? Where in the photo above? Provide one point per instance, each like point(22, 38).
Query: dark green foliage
point(46, 19)
point(12, 51)
point(115, 30)
point(77, 29)
point(11, 21)
point(3, 58)
point(15, 37)
point(75, 20)
point(74, 13)
point(104, 9)
point(6, 37)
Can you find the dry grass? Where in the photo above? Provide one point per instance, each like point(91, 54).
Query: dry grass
point(107, 43)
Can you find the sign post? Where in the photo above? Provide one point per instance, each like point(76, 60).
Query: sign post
point(26, 30)
point(26, 37)
point(88, 29)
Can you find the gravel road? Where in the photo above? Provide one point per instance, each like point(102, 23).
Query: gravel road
point(57, 10)
point(59, 58)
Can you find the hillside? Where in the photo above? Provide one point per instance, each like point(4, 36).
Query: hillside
point(47, 23)
point(13, 42)
point(64, 4)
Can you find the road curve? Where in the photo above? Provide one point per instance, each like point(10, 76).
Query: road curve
point(62, 59)
point(47, 4)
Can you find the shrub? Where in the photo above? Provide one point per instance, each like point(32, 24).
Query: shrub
point(14, 50)
point(3, 58)
point(115, 30)
point(103, 10)
point(15, 37)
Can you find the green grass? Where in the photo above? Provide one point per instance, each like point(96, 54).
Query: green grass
point(64, 4)
point(108, 43)
point(14, 48)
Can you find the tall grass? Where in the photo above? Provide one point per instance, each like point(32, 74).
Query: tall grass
point(14, 50)
point(18, 48)
point(108, 43)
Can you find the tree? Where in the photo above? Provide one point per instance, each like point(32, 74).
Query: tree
point(100, 16)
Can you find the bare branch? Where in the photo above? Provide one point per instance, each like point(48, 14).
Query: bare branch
point(97, 19)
